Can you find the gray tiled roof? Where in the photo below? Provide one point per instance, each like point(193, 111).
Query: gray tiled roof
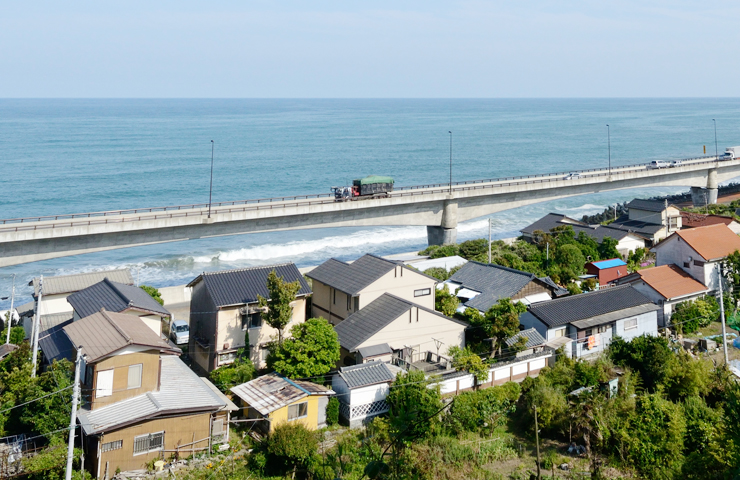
point(647, 205)
point(533, 338)
point(352, 277)
point(243, 286)
point(272, 392)
point(114, 297)
point(26, 310)
point(375, 350)
point(641, 228)
point(552, 220)
point(586, 305)
point(556, 289)
point(104, 333)
point(494, 282)
point(365, 374)
point(371, 319)
point(79, 281)
point(181, 390)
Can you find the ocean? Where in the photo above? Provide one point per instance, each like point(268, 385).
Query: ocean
point(77, 155)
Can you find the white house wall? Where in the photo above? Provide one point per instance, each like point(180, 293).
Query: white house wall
point(369, 394)
point(676, 251)
point(55, 304)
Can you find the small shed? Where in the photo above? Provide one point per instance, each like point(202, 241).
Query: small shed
point(607, 270)
point(361, 391)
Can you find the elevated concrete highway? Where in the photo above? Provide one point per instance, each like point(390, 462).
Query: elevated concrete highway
point(439, 207)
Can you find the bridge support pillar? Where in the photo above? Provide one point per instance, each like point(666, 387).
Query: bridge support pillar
point(447, 232)
point(712, 186)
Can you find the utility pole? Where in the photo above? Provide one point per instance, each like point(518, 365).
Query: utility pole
point(609, 143)
point(722, 315)
point(450, 132)
point(210, 190)
point(537, 437)
point(667, 222)
point(10, 314)
point(73, 416)
point(489, 240)
point(37, 326)
point(716, 150)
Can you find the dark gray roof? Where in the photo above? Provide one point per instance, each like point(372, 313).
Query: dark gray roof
point(647, 205)
point(78, 281)
point(586, 305)
point(26, 310)
point(533, 338)
point(375, 350)
point(56, 344)
point(371, 319)
point(353, 277)
point(493, 281)
point(556, 289)
point(365, 374)
point(550, 221)
point(243, 286)
point(642, 228)
point(6, 349)
point(114, 297)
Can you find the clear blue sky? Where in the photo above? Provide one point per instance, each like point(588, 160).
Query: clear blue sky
point(415, 48)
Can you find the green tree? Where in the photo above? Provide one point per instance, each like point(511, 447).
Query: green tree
point(413, 405)
point(691, 315)
point(501, 321)
point(17, 335)
point(290, 446)
point(472, 249)
point(589, 247)
point(439, 273)
point(279, 310)
point(311, 350)
point(154, 293)
point(570, 260)
point(573, 288)
point(480, 410)
point(650, 356)
point(445, 302)
point(608, 248)
point(227, 376)
point(465, 359)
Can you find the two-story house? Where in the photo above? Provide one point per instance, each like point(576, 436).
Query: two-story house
point(142, 402)
point(224, 312)
point(591, 320)
point(341, 289)
point(120, 298)
point(698, 251)
point(652, 219)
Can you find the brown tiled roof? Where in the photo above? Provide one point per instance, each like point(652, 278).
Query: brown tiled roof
point(711, 242)
point(693, 220)
point(670, 281)
point(103, 333)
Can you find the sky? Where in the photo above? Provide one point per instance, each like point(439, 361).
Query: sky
point(378, 49)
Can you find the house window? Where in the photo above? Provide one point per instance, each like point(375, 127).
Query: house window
point(252, 320)
point(357, 303)
point(104, 387)
point(107, 447)
point(686, 264)
point(299, 410)
point(698, 263)
point(264, 353)
point(228, 357)
point(151, 442)
point(560, 333)
point(630, 324)
point(422, 292)
point(349, 303)
point(134, 376)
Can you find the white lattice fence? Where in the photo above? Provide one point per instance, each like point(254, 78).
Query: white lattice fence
point(374, 408)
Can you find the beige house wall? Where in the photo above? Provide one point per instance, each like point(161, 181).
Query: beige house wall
point(401, 282)
point(119, 364)
point(418, 329)
point(55, 304)
point(330, 303)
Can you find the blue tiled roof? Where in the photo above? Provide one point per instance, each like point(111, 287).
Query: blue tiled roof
point(614, 262)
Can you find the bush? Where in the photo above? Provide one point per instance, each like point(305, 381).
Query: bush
point(439, 273)
point(413, 405)
point(242, 370)
point(480, 410)
point(291, 445)
point(573, 288)
point(17, 334)
point(471, 249)
point(445, 302)
point(332, 411)
point(691, 315)
point(154, 293)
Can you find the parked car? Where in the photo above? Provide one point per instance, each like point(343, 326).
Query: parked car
point(658, 164)
point(572, 176)
point(180, 332)
point(677, 163)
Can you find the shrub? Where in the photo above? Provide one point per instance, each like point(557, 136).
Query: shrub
point(474, 248)
point(17, 334)
point(332, 411)
point(438, 272)
point(154, 293)
point(242, 370)
point(689, 316)
point(413, 405)
point(291, 445)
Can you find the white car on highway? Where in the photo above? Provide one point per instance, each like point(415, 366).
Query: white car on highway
point(655, 164)
point(572, 176)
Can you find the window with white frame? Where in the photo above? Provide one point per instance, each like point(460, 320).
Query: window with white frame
point(422, 292)
point(560, 333)
point(227, 357)
point(109, 446)
point(134, 376)
point(298, 410)
point(630, 323)
point(151, 442)
point(104, 384)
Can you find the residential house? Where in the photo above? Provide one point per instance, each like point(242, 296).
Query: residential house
point(362, 390)
point(143, 403)
point(651, 219)
point(667, 286)
point(534, 342)
point(693, 220)
point(120, 298)
point(627, 240)
point(606, 271)
point(341, 289)
point(698, 251)
point(448, 263)
point(224, 312)
point(482, 285)
point(410, 330)
point(276, 400)
point(592, 319)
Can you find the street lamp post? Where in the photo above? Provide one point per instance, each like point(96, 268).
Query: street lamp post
point(609, 143)
point(716, 150)
point(450, 132)
point(210, 190)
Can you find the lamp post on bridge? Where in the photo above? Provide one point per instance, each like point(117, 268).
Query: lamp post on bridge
point(450, 132)
point(210, 190)
point(609, 146)
point(716, 150)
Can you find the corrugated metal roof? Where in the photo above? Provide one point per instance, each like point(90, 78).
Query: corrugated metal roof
point(352, 277)
point(363, 375)
point(533, 338)
point(272, 392)
point(114, 297)
point(181, 390)
point(244, 286)
point(375, 350)
point(104, 332)
point(611, 263)
point(79, 281)
point(586, 305)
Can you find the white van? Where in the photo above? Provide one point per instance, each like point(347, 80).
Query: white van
point(180, 332)
point(658, 164)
